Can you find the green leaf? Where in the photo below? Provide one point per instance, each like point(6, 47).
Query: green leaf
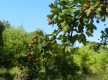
point(56, 11)
point(69, 11)
point(80, 28)
point(68, 49)
point(86, 20)
point(54, 32)
point(74, 38)
point(82, 38)
point(96, 4)
point(55, 4)
point(91, 27)
point(60, 37)
point(107, 10)
point(88, 12)
point(51, 6)
point(62, 3)
point(50, 16)
point(89, 34)
point(64, 26)
point(42, 70)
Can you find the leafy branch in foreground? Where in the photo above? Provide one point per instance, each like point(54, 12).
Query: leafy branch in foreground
point(76, 18)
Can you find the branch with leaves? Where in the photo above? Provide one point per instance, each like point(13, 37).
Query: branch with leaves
point(76, 18)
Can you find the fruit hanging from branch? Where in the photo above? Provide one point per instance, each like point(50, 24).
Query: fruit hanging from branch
point(50, 22)
point(87, 6)
point(106, 31)
point(74, 14)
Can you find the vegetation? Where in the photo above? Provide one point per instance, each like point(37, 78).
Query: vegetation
point(39, 56)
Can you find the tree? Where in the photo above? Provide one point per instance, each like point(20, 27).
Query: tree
point(45, 58)
point(92, 60)
point(3, 26)
point(75, 18)
point(14, 48)
point(104, 36)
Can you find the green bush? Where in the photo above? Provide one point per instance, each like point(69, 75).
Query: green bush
point(15, 46)
point(93, 63)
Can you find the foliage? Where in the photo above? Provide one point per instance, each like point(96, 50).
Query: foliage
point(75, 19)
point(104, 36)
point(15, 46)
point(3, 25)
point(93, 63)
point(53, 63)
point(47, 61)
point(37, 55)
point(41, 58)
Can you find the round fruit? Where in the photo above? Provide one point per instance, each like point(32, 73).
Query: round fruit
point(50, 22)
point(106, 30)
point(97, 21)
point(75, 29)
point(87, 6)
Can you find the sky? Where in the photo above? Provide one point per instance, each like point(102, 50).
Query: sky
point(32, 15)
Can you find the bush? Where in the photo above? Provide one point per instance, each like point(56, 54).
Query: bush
point(15, 46)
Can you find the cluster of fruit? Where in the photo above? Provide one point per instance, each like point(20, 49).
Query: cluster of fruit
point(30, 46)
point(87, 6)
point(99, 9)
point(39, 43)
point(31, 54)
